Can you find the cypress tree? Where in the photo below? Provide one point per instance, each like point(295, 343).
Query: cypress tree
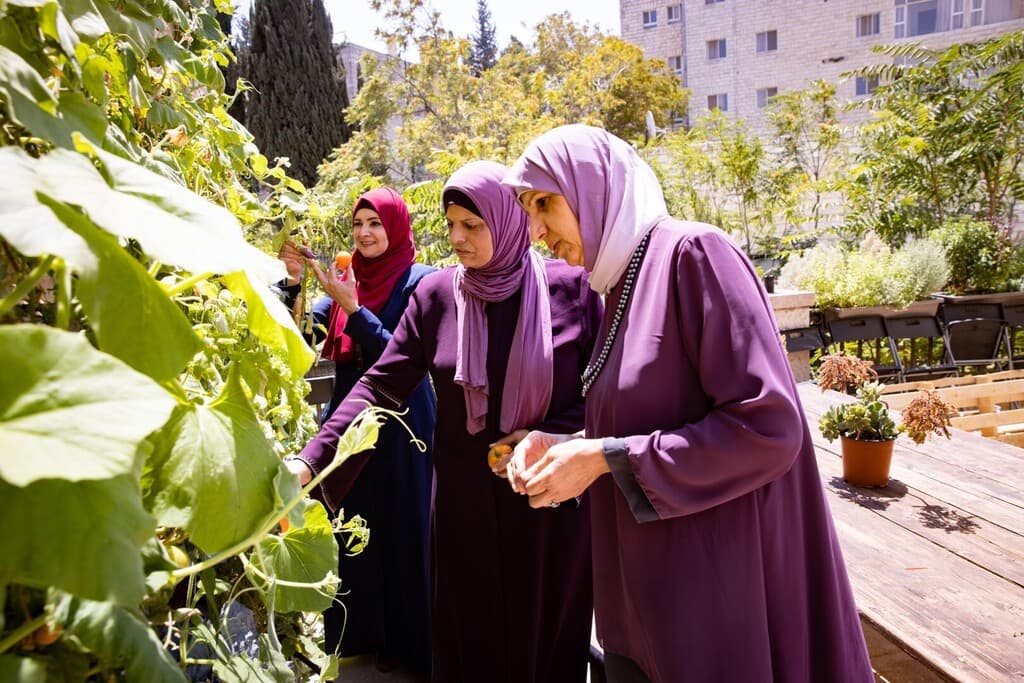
point(484, 52)
point(298, 109)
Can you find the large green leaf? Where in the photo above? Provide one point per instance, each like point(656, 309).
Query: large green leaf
point(68, 411)
point(145, 329)
point(128, 310)
point(30, 103)
point(302, 555)
point(271, 322)
point(172, 223)
point(212, 471)
point(120, 639)
point(83, 537)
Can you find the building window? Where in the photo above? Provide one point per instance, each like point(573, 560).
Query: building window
point(650, 18)
point(768, 41)
point(716, 49)
point(675, 13)
point(977, 12)
point(676, 63)
point(956, 16)
point(764, 95)
point(917, 17)
point(678, 119)
point(712, 2)
point(866, 85)
point(719, 102)
point(869, 24)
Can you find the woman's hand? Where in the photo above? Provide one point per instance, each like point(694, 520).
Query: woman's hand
point(555, 467)
point(299, 469)
point(342, 291)
point(293, 261)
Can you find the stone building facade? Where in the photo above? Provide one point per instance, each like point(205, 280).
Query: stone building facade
point(735, 54)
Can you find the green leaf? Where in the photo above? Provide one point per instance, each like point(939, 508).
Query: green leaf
point(120, 639)
point(69, 411)
point(81, 115)
point(83, 537)
point(146, 330)
point(212, 471)
point(271, 322)
point(302, 555)
point(22, 669)
point(241, 669)
point(30, 102)
point(85, 19)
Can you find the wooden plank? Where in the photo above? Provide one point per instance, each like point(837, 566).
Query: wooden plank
point(992, 420)
point(967, 396)
point(1013, 438)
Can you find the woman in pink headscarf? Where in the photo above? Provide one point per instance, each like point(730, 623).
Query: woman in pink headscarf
point(716, 558)
point(384, 609)
point(504, 337)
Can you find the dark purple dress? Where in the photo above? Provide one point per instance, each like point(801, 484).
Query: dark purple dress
point(511, 586)
point(716, 558)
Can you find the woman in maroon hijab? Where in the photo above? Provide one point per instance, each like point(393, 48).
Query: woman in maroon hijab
point(383, 608)
point(716, 558)
point(504, 336)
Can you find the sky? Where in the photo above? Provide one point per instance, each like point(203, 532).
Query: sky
point(354, 21)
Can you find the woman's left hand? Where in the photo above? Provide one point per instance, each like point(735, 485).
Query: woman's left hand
point(342, 291)
point(564, 471)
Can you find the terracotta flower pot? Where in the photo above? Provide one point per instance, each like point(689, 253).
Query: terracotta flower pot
point(866, 463)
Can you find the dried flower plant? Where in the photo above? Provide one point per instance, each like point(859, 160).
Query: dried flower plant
point(841, 372)
point(927, 414)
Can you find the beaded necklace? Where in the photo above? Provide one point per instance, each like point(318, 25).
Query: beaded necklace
point(593, 369)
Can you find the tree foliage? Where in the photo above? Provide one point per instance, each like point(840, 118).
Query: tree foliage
point(947, 135)
point(296, 109)
point(483, 53)
point(572, 73)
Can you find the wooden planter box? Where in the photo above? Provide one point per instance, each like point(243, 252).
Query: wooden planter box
point(924, 307)
point(989, 298)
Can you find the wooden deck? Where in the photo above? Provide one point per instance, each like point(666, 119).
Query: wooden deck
point(936, 558)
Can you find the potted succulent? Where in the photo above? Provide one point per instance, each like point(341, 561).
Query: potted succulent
point(865, 427)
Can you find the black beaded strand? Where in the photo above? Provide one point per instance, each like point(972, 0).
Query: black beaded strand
point(593, 369)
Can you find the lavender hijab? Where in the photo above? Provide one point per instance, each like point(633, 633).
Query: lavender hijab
point(613, 192)
point(514, 266)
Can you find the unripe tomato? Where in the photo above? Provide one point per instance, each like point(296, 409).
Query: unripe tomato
point(342, 260)
point(178, 556)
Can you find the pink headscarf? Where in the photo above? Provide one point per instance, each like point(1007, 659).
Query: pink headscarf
point(613, 192)
point(514, 266)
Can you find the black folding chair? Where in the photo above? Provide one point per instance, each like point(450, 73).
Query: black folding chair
point(809, 338)
point(922, 346)
point(1013, 315)
point(867, 337)
point(976, 335)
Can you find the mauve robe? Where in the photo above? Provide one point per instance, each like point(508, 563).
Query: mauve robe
point(511, 586)
point(716, 558)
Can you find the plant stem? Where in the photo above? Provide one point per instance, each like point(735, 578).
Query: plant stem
point(186, 284)
point(62, 278)
point(17, 634)
point(26, 285)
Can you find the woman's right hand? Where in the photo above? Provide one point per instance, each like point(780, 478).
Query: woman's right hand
point(293, 261)
point(300, 470)
point(342, 291)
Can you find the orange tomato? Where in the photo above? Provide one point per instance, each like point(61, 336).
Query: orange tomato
point(496, 453)
point(342, 260)
point(285, 525)
point(48, 635)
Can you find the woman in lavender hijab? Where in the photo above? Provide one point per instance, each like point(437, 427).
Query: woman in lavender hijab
point(716, 558)
point(504, 336)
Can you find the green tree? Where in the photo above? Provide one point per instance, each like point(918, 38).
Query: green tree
point(947, 135)
point(484, 51)
point(297, 107)
point(572, 74)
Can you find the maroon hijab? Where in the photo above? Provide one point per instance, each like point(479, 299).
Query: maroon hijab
point(375, 277)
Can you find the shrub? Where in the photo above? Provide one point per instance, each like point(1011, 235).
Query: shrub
point(873, 275)
point(981, 259)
